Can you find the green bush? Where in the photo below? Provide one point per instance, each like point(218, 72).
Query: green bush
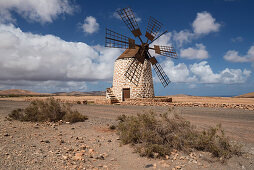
point(158, 135)
point(49, 110)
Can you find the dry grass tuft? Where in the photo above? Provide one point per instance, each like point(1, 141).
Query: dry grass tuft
point(157, 135)
point(47, 110)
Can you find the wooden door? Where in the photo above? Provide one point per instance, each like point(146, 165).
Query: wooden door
point(126, 93)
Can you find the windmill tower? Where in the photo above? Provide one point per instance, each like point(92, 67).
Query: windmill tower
point(132, 71)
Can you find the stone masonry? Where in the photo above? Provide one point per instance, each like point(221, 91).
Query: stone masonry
point(144, 89)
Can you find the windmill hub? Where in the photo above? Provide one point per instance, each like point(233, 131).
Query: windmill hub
point(132, 70)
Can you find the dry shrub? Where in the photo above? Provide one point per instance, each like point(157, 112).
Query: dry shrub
point(157, 135)
point(47, 110)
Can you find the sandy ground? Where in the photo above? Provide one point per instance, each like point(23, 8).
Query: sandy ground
point(177, 99)
point(213, 100)
point(91, 145)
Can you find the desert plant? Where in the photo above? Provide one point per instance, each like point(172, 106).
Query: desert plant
point(158, 135)
point(48, 110)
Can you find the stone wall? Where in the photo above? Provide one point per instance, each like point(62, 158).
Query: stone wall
point(144, 89)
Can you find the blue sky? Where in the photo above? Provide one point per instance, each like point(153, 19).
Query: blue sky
point(58, 45)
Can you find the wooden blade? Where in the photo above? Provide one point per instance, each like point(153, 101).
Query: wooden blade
point(152, 29)
point(134, 71)
point(129, 19)
point(116, 40)
point(159, 71)
point(161, 74)
point(165, 50)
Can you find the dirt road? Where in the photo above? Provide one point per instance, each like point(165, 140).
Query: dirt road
point(91, 145)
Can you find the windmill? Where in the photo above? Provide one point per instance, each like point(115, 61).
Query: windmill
point(132, 70)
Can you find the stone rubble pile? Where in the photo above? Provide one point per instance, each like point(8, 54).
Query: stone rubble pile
point(153, 102)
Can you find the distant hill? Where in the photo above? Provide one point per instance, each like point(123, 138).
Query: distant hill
point(247, 95)
point(77, 93)
point(20, 92)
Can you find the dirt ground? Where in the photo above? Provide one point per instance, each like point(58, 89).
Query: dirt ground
point(91, 145)
point(176, 99)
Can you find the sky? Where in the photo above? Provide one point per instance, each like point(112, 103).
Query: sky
point(59, 45)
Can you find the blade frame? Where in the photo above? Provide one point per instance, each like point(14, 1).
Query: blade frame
point(116, 40)
point(160, 72)
point(130, 21)
point(165, 51)
point(134, 72)
point(153, 28)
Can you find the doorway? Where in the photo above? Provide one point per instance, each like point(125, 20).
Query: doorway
point(126, 93)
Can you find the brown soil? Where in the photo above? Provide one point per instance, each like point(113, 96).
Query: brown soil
point(247, 95)
point(91, 145)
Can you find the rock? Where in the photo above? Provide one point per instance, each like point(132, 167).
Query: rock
point(155, 155)
point(101, 157)
point(83, 147)
point(61, 141)
point(182, 158)
point(65, 157)
point(109, 140)
point(90, 151)
point(6, 134)
point(178, 167)
point(149, 166)
point(78, 156)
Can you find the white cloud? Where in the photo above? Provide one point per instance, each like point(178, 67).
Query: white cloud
point(203, 73)
point(184, 36)
point(177, 73)
point(90, 25)
point(34, 10)
point(227, 76)
point(237, 39)
point(205, 23)
point(233, 56)
point(195, 53)
point(33, 57)
point(117, 16)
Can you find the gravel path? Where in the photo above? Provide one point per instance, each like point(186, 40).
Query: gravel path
point(91, 145)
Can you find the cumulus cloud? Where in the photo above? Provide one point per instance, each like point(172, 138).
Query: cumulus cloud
point(199, 52)
point(205, 23)
point(233, 56)
point(183, 36)
point(40, 10)
point(90, 25)
point(203, 73)
point(179, 73)
point(33, 57)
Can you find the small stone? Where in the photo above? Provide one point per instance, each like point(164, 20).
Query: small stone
point(6, 134)
point(109, 140)
point(149, 166)
point(78, 156)
point(83, 147)
point(155, 155)
point(67, 122)
point(167, 157)
point(178, 167)
point(65, 157)
point(90, 151)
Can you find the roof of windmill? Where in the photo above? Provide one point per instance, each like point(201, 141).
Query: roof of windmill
point(129, 53)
